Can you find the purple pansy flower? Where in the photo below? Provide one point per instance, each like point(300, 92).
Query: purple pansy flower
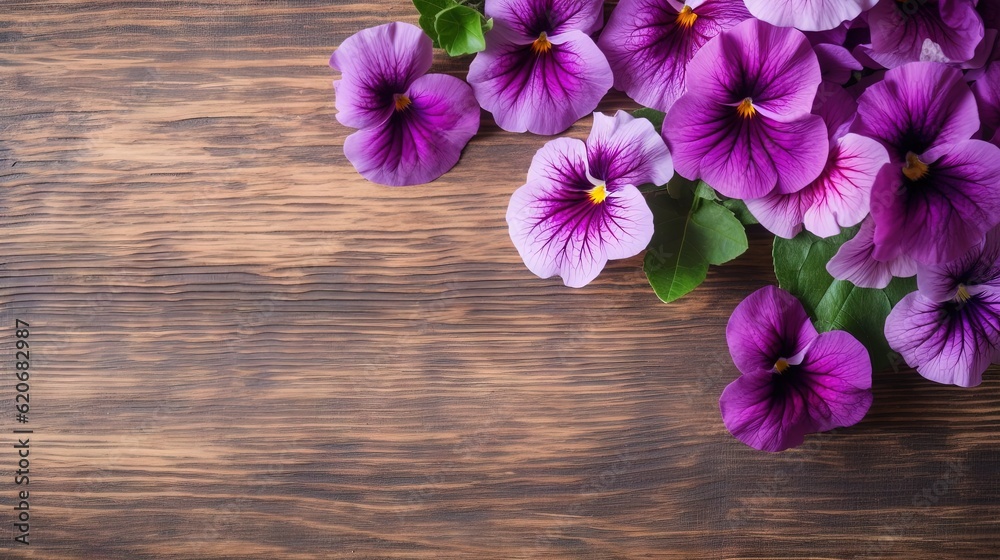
point(939, 197)
point(840, 196)
point(808, 15)
point(924, 30)
point(413, 126)
point(580, 206)
point(649, 43)
point(949, 329)
point(794, 380)
point(856, 263)
point(541, 71)
point(917, 108)
point(744, 125)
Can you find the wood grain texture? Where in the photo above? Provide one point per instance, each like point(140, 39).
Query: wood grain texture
point(241, 349)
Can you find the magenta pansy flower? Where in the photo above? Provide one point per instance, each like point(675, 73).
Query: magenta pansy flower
point(840, 196)
point(795, 381)
point(856, 263)
point(808, 15)
point(939, 197)
point(580, 206)
point(949, 330)
point(744, 126)
point(412, 126)
point(541, 71)
point(924, 30)
point(649, 43)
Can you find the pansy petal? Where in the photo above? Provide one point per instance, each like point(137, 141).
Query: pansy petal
point(837, 108)
point(759, 413)
point(937, 218)
point(562, 161)
point(769, 324)
point(918, 107)
point(834, 380)
point(530, 18)
point(843, 190)
point(781, 214)
point(808, 15)
point(854, 261)
point(774, 67)
point(649, 44)
point(541, 93)
point(377, 63)
point(950, 343)
point(559, 229)
point(419, 143)
point(623, 150)
point(939, 31)
point(987, 92)
point(836, 63)
point(628, 223)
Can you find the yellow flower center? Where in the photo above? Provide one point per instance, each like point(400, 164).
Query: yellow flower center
point(914, 168)
point(598, 194)
point(781, 366)
point(402, 102)
point(541, 45)
point(746, 109)
point(963, 294)
point(686, 17)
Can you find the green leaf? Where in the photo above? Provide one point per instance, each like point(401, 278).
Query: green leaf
point(800, 266)
point(460, 30)
point(652, 115)
point(739, 208)
point(690, 235)
point(702, 190)
point(681, 188)
point(429, 9)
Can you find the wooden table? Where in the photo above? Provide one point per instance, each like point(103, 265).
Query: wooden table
point(239, 348)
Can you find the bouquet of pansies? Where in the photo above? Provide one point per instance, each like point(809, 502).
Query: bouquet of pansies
point(863, 133)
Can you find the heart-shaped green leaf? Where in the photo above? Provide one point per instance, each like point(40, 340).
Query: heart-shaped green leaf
point(429, 9)
point(691, 234)
point(460, 30)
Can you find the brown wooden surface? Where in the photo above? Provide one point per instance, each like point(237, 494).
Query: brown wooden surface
point(241, 349)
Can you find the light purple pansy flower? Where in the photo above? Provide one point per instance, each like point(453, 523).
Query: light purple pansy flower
point(949, 330)
point(795, 381)
point(413, 126)
point(649, 43)
point(808, 15)
point(939, 197)
point(744, 126)
point(541, 71)
point(840, 196)
point(580, 206)
point(924, 30)
point(855, 261)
